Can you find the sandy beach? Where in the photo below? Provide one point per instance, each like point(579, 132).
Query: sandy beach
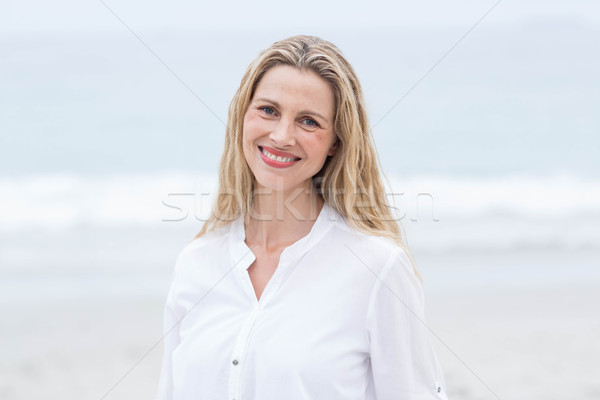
point(494, 341)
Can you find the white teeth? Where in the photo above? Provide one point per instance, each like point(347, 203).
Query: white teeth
point(276, 158)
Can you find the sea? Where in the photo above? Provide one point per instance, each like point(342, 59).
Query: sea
point(110, 143)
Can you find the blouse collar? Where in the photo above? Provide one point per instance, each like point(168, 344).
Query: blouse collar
point(240, 251)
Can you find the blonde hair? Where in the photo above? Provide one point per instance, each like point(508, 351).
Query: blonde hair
point(349, 181)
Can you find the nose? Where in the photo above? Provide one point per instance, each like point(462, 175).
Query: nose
point(283, 134)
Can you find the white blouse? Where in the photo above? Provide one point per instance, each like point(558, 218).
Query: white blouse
point(342, 318)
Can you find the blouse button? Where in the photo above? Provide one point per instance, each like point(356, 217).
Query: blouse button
point(235, 362)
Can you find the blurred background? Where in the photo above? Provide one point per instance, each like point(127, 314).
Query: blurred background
point(111, 128)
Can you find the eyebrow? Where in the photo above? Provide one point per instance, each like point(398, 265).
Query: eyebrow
point(276, 104)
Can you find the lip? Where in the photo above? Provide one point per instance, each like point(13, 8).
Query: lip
point(279, 153)
point(274, 163)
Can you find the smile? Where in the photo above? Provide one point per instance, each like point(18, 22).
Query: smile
point(275, 160)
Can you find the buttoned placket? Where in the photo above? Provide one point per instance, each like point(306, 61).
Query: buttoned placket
point(238, 355)
point(239, 248)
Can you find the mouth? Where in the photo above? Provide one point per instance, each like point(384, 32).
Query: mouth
point(276, 158)
point(277, 155)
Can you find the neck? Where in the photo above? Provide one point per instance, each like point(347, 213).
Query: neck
point(280, 218)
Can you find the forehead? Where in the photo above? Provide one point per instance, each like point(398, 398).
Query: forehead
point(295, 88)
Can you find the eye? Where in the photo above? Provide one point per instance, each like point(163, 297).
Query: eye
point(268, 110)
point(311, 122)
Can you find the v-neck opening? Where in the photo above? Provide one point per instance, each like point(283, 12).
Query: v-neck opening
point(324, 221)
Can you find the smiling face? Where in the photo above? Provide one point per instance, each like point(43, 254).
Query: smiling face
point(288, 128)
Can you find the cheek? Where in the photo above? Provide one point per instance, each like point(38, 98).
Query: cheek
point(248, 136)
point(252, 127)
point(322, 141)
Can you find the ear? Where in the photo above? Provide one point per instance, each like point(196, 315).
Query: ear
point(333, 148)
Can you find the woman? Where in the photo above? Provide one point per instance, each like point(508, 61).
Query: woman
point(299, 285)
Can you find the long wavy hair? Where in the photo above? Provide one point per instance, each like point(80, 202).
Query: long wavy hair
point(349, 182)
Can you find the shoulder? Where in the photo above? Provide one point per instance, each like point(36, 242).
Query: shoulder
point(211, 243)
point(377, 252)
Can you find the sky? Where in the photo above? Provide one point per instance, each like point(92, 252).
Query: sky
point(75, 79)
point(97, 15)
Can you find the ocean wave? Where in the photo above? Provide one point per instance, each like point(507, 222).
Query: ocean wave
point(443, 212)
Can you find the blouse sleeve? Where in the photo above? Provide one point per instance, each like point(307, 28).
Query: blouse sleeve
point(171, 320)
point(403, 361)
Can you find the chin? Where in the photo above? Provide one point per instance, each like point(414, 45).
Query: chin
point(279, 183)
